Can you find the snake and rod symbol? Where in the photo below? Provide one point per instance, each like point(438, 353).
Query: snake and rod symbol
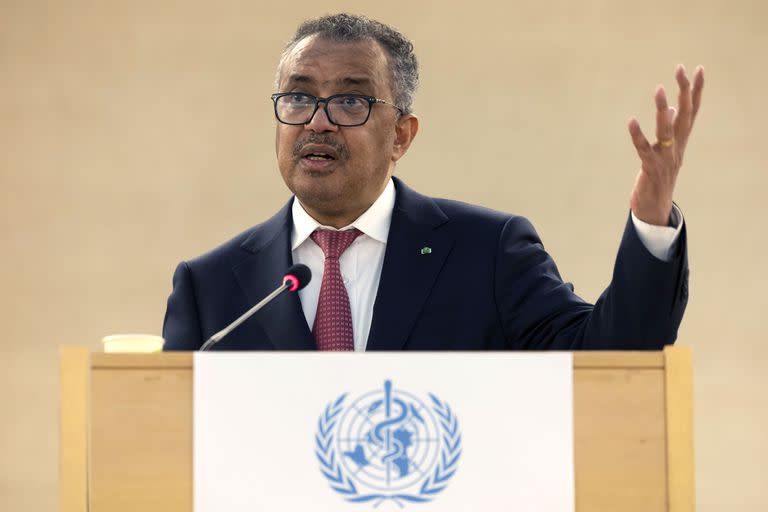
point(381, 434)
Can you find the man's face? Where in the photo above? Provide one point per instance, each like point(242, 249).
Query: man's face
point(359, 160)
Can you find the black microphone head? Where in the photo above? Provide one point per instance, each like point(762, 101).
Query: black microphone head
point(298, 275)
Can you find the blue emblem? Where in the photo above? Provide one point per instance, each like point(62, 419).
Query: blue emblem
point(388, 445)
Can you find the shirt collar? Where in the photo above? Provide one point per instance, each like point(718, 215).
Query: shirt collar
point(374, 222)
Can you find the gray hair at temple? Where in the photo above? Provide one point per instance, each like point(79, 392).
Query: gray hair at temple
point(346, 27)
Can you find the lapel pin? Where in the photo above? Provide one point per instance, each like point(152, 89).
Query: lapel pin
point(426, 250)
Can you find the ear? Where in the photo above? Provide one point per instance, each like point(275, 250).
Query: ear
point(405, 131)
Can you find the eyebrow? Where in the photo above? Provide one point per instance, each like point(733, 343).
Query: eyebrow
point(301, 79)
point(342, 82)
point(347, 81)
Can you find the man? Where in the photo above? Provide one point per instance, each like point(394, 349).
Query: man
point(393, 269)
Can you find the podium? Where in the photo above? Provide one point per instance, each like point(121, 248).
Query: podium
point(126, 431)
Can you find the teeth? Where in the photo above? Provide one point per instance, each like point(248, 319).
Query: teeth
point(318, 157)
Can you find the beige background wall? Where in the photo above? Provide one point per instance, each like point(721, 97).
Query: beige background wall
point(136, 134)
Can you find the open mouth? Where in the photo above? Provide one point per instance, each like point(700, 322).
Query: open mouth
point(319, 156)
point(318, 153)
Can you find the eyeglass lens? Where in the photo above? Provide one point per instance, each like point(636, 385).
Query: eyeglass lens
point(341, 110)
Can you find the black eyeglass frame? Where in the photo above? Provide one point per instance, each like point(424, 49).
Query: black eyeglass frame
point(372, 100)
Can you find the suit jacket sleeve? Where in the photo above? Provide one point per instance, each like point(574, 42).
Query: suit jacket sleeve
point(641, 308)
point(181, 327)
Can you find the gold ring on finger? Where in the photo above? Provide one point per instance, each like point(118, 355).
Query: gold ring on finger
point(666, 143)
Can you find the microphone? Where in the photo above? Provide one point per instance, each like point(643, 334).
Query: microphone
point(295, 278)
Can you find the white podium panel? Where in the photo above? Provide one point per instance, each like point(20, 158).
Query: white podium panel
point(383, 431)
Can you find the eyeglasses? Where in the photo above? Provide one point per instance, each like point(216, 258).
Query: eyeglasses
point(342, 109)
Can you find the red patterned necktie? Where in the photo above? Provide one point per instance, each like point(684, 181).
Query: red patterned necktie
point(333, 321)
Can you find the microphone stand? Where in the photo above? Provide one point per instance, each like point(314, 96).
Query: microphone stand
point(245, 316)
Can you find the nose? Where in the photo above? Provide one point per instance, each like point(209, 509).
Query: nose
point(319, 122)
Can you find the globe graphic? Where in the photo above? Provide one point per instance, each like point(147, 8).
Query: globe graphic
point(387, 440)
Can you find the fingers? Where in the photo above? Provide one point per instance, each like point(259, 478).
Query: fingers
point(665, 134)
point(698, 85)
point(684, 118)
point(672, 126)
point(643, 147)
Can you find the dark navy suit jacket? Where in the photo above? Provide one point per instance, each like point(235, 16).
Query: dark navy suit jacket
point(488, 284)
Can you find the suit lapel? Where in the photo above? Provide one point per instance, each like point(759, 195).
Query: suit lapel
point(408, 276)
point(269, 256)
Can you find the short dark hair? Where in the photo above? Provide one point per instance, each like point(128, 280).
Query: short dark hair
point(345, 27)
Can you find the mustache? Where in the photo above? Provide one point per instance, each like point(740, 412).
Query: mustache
point(320, 138)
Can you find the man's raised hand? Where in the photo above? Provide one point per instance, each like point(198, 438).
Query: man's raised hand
point(651, 199)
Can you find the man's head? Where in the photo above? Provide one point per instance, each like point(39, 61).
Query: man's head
point(337, 172)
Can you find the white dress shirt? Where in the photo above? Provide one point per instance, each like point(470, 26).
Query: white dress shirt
point(360, 264)
point(363, 260)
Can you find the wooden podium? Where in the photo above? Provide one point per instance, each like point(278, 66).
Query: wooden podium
point(126, 431)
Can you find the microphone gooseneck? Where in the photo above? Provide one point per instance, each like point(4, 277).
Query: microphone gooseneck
point(295, 278)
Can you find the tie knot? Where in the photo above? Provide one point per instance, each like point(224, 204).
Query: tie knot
point(334, 243)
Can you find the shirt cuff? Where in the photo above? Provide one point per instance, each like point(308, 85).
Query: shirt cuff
point(661, 241)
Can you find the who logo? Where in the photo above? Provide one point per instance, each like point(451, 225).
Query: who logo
point(388, 445)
